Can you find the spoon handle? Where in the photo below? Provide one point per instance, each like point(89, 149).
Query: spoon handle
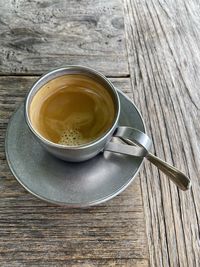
point(179, 178)
point(141, 145)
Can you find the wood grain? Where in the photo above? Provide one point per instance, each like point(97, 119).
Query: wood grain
point(164, 57)
point(36, 36)
point(35, 233)
point(163, 47)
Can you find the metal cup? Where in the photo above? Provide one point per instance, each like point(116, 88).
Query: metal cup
point(135, 143)
point(89, 150)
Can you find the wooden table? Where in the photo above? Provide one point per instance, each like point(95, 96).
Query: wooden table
point(150, 49)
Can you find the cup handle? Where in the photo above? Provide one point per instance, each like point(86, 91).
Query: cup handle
point(137, 137)
point(133, 136)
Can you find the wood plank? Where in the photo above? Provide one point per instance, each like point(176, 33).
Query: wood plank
point(87, 263)
point(33, 232)
point(164, 57)
point(36, 36)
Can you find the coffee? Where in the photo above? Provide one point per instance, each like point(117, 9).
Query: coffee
point(72, 110)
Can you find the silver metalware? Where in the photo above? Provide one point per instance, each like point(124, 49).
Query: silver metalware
point(71, 184)
point(140, 147)
point(138, 144)
point(82, 152)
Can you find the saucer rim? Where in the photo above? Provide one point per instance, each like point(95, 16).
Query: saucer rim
point(72, 205)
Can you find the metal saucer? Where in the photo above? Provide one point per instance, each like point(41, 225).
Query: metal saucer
point(71, 184)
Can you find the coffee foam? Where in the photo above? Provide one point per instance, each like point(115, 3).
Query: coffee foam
point(72, 137)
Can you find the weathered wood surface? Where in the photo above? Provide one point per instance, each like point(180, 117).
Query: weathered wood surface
point(36, 36)
point(163, 40)
point(35, 233)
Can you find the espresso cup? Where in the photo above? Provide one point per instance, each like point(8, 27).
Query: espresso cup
point(103, 141)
